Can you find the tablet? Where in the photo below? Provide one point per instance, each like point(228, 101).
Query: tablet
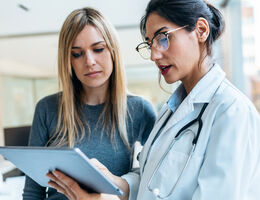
point(36, 162)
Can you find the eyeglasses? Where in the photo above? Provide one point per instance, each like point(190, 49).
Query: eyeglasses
point(160, 42)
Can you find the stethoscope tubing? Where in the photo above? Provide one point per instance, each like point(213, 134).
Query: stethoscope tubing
point(177, 137)
point(179, 178)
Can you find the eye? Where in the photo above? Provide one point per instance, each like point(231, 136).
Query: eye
point(162, 40)
point(98, 50)
point(76, 55)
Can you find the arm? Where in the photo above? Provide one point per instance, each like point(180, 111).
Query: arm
point(147, 121)
point(229, 162)
point(38, 137)
point(132, 181)
point(144, 122)
point(32, 190)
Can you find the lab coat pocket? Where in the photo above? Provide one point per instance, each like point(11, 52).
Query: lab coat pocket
point(176, 158)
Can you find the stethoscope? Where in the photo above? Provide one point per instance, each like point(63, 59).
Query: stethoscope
point(156, 191)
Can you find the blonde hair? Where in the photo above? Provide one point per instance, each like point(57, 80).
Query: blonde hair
point(70, 119)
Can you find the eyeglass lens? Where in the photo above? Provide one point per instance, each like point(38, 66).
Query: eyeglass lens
point(160, 42)
point(144, 50)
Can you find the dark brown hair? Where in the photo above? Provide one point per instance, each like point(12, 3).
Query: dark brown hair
point(187, 12)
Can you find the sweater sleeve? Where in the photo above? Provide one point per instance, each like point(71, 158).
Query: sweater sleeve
point(147, 121)
point(38, 137)
point(32, 190)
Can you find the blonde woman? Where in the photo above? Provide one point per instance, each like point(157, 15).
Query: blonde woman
point(93, 111)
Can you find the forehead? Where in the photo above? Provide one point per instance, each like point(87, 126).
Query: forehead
point(156, 22)
point(88, 36)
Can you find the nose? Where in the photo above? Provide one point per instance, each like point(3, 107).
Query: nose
point(155, 54)
point(90, 59)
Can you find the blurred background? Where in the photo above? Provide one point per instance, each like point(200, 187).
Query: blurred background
point(28, 53)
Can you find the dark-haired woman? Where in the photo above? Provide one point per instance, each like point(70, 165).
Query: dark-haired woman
point(206, 141)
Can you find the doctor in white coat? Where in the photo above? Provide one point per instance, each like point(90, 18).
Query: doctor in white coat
point(206, 142)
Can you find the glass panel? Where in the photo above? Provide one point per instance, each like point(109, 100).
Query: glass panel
point(18, 104)
point(143, 81)
point(44, 87)
point(19, 97)
point(251, 41)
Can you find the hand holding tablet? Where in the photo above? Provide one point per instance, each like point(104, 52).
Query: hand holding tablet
point(36, 162)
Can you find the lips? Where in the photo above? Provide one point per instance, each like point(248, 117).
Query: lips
point(164, 68)
point(92, 73)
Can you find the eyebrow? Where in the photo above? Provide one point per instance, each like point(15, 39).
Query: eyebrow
point(156, 32)
point(94, 44)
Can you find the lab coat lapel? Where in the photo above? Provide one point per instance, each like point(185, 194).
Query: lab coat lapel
point(201, 93)
point(164, 113)
point(184, 109)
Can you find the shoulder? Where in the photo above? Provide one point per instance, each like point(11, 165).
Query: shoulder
point(49, 103)
point(229, 98)
point(138, 103)
point(45, 117)
point(134, 99)
point(140, 109)
point(233, 116)
point(142, 117)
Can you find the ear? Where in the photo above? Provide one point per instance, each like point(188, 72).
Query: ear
point(202, 29)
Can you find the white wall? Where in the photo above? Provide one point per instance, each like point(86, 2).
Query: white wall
point(48, 15)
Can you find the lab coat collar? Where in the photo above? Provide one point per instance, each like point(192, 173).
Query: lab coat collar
point(207, 86)
point(204, 90)
point(181, 104)
point(201, 93)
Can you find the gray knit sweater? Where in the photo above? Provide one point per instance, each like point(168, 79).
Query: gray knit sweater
point(115, 157)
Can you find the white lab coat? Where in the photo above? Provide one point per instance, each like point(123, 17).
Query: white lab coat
point(226, 162)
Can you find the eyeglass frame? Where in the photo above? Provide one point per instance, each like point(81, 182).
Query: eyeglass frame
point(150, 44)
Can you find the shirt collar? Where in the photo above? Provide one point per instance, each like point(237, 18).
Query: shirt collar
point(203, 90)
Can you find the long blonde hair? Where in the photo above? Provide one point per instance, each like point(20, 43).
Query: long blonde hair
point(70, 126)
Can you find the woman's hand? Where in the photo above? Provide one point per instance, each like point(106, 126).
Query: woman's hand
point(73, 191)
point(69, 187)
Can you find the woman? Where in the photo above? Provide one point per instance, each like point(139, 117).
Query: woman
point(206, 141)
point(93, 112)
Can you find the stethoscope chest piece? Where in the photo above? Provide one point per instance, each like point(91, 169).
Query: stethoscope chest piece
point(156, 192)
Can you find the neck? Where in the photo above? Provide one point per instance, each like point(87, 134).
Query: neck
point(196, 74)
point(95, 96)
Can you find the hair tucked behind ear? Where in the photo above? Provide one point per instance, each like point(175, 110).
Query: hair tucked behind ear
point(217, 22)
point(217, 26)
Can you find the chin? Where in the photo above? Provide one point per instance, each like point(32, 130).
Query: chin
point(170, 81)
